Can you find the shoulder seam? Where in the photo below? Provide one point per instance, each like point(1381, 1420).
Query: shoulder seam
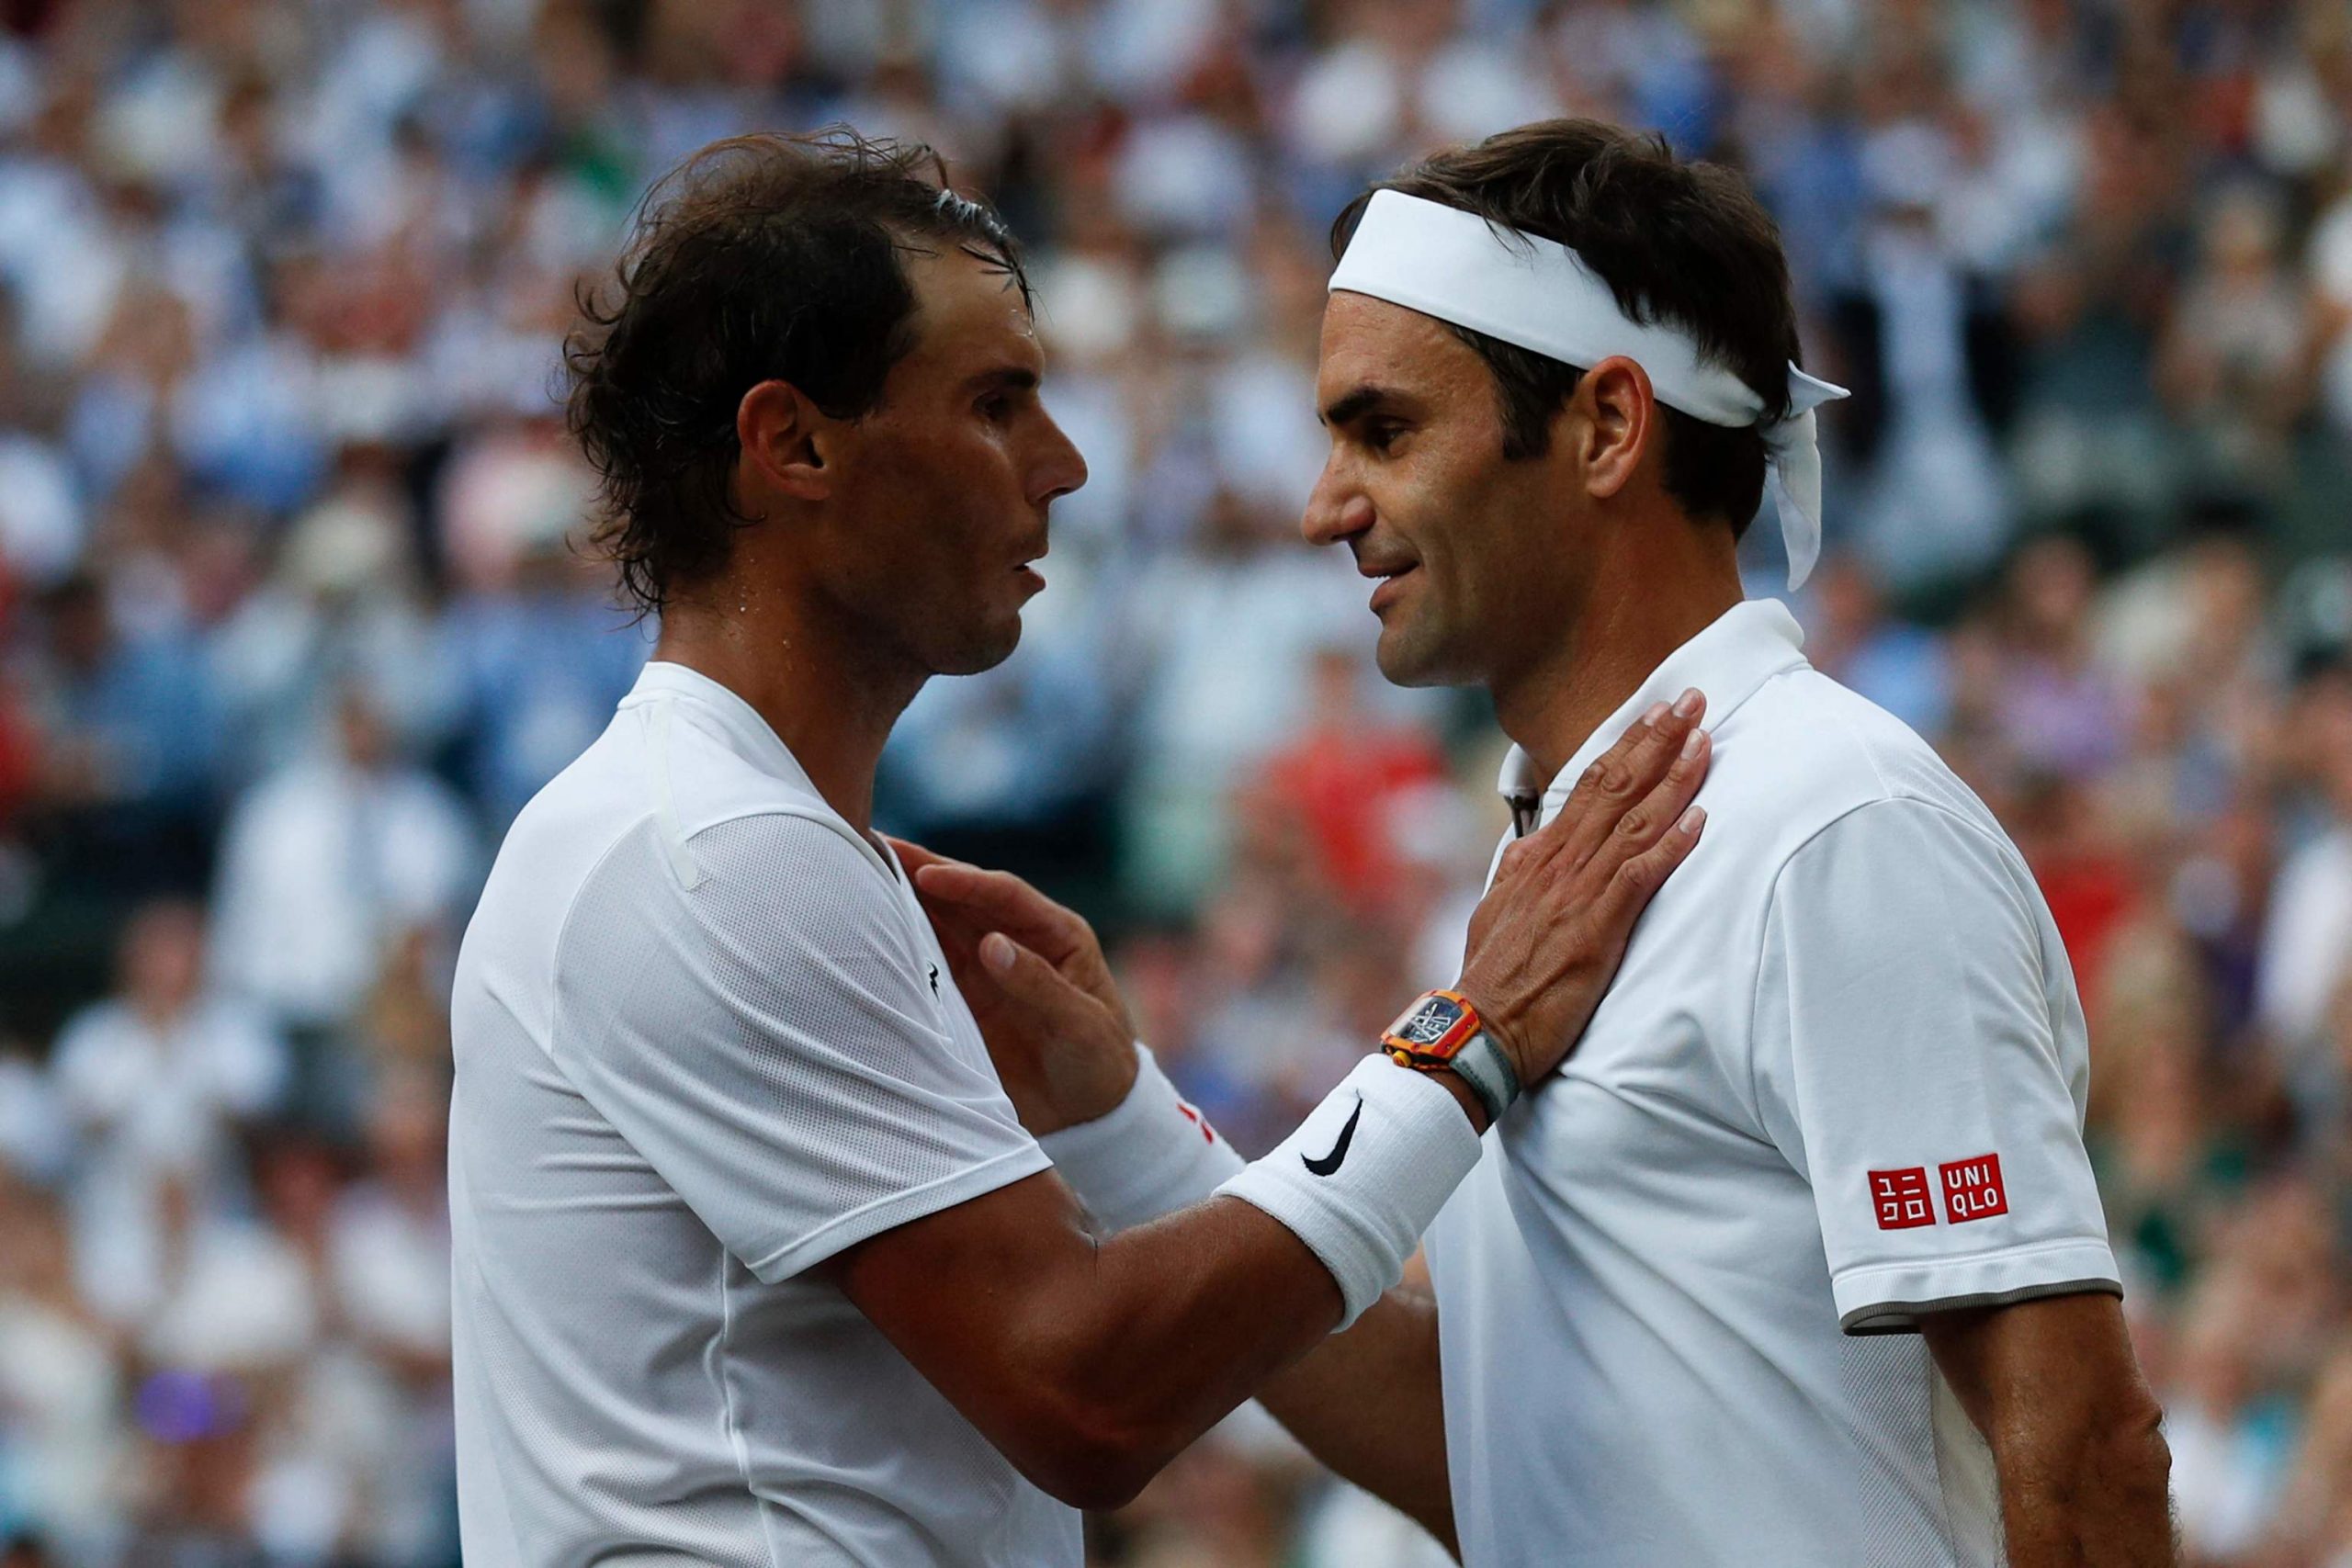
point(824, 820)
point(870, 864)
point(677, 835)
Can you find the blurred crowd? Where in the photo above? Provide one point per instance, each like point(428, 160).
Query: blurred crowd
point(293, 620)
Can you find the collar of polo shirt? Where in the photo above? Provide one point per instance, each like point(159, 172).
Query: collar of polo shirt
point(1739, 651)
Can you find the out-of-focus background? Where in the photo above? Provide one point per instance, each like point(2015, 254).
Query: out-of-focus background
point(291, 625)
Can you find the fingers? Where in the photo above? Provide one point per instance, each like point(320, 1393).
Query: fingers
point(1653, 834)
point(1028, 978)
point(1638, 878)
point(956, 934)
point(914, 857)
point(1619, 781)
point(1000, 900)
point(1649, 819)
point(955, 882)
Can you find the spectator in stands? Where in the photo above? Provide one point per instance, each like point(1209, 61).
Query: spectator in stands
point(326, 863)
point(126, 783)
point(155, 1083)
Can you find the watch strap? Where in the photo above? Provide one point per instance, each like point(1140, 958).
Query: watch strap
point(1482, 1065)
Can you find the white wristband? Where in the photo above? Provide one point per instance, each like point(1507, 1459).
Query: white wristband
point(1365, 1174)
point(1152, 1155)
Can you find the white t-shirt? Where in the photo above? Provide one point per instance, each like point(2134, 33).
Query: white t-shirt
point(706, 1040)
point(1839, 1082)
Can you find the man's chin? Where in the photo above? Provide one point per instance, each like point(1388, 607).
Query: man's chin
point(983, 651)
point(1408, 660)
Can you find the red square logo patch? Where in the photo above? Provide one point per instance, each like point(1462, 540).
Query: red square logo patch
point(1901, 1199)
point(1973, 1189)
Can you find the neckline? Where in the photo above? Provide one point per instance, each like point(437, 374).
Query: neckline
point(1728, 659)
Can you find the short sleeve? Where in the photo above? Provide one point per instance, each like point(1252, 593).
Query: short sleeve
point(757, 1018)
point(1921, 1059)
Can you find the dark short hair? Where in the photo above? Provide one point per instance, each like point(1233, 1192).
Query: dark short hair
point(765, 258)
point(1675, 241)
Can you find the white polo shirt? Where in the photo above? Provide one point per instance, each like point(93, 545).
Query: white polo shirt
point(1838, 1083)
point(706, 1040)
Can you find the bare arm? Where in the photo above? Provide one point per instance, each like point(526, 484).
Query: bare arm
point(1091, 1364)
point(2074, 1433)
point(1369, 1404)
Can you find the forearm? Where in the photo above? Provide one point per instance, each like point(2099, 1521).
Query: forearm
point(2075, 1434)
point(1188, 1317)
point(1355, 1400)
point(1092, 1363)
point(1089, 1363)
point(1355, 1185)
point(1369, 1403)
point(2102, 1502)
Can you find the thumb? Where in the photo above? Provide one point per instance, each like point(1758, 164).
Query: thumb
point(1024, 976)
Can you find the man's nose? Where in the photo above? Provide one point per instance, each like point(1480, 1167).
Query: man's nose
point(1337, 511)
point(1059, 469)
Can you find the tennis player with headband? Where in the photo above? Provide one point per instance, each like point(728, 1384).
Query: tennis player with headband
point(1797, 1259)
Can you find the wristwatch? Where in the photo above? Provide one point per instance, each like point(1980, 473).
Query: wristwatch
point(1441, 1032)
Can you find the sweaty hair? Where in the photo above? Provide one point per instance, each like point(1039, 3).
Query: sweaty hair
point(759, 258)
point(1685, 242)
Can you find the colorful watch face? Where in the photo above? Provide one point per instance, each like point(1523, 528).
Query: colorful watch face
point(1435, 1026)
point(1428, 1022)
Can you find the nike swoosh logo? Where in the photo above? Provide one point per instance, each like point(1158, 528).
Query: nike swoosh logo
point(1330, 1162)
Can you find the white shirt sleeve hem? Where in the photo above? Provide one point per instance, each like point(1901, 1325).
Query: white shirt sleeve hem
point(1891, 1298)
point(888, 1214)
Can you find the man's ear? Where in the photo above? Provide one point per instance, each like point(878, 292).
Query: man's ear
point(1620, 420)
point(787, 441)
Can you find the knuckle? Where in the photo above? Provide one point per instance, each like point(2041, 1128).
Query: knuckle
point(1636, 824)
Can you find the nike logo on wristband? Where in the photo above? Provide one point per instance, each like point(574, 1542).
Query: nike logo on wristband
point(1330, 1162)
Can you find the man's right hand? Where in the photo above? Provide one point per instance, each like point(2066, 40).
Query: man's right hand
point(1034, 974)
point(1547, 938)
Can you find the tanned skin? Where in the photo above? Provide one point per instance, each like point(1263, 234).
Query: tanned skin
point(885, 549)
point(2075, 1434)
point(1558, 582)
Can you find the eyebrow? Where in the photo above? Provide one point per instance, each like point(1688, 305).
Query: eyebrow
point(1354, 405)
point(1011, 378)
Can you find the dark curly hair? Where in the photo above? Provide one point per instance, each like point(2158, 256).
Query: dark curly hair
point(1687, 243)
point(765, 258)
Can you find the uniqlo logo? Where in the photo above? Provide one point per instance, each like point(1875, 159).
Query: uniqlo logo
point(1973, 1189)
point(1901, 1199)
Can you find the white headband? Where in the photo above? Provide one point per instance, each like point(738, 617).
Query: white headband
point(1537, 293)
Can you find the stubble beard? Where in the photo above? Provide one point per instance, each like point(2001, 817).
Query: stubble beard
point(983, 645)
point(1418, 653)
